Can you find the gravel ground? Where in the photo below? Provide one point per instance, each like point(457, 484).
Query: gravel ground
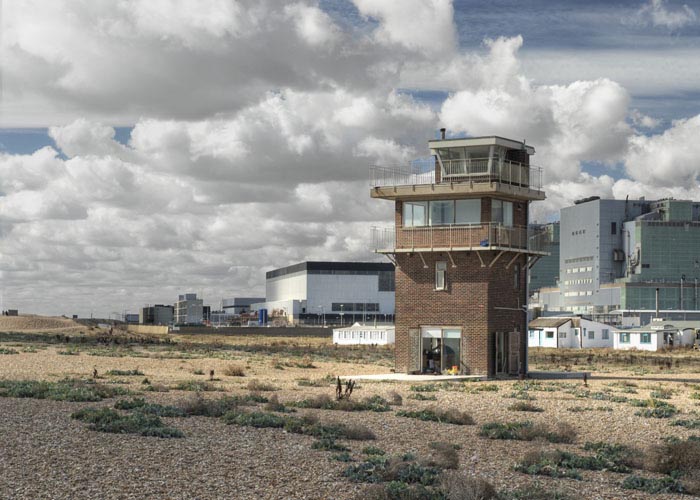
point(44, 454)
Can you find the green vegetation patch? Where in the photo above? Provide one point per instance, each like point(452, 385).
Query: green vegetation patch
point(527, 431)
point(126, 373)
point(652, 485)
point(447, 416)
point(63, 390)
point(109, 420)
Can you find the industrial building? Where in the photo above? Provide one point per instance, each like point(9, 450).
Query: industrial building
point(239, 305)
point(462, 245)
point(189, 310)
point(615, 254)
point(545, 272)
point(158, 314)
point(330, 293)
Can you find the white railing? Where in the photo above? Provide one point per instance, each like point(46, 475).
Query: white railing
point(475, 236)
point(470, 169)
point(399, 176)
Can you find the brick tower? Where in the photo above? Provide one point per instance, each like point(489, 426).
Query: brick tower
point(461, 246)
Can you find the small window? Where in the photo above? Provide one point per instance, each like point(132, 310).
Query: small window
point(532, 334)
point(550, 335)
point(606, 334)
point(613, 228)
point(562, 335)
point(645, 338)
point(591, 335)
point(624, 338)
point(440, 269)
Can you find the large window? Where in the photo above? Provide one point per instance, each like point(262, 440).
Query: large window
point(502, 211)
point(441, 212)
point(645, 338)
point(414, 213)
point(624, 338)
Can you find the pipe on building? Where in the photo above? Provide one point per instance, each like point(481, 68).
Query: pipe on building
point(657, 302)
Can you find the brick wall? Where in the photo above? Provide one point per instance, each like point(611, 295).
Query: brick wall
point(469, 302)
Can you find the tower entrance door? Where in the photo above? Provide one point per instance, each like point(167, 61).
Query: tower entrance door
point(441, 349)
point(507, 353)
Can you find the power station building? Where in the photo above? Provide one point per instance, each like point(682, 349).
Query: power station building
point(462, 246)
point(615, 254)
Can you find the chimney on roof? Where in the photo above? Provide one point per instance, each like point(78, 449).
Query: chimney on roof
point(442, 133)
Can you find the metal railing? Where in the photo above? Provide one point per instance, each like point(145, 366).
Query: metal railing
point(474, 236)
point(491, 169)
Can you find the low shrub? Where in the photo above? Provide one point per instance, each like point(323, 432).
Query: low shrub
point(108, 420)
point(343, 457)
point(197, 405)
point(674, 456)
point(533, 492)
point(689, 424)
point(255, 385)
point(443, 456)
point(304, 425)
point(527, 431)
point(305, 382)
point(525, 406)
point(196, 386)
point(423, 397)
point(373, 450)
point(448, 416)
point(325, 402)
point(556, 464)
point(8, 350)
point(234, 371)
point(482, 387)
point(125, 373)
point(424, 388)
point(395, 399)
point(661, 394)
point(652, 485)
point(63, 390)
point(329, 444)
point(455, 486)
point(379, 469)
point(274, 405)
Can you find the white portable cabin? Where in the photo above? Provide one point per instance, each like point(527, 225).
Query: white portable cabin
point(358, 334)
point(657, 335)
point(568, 332)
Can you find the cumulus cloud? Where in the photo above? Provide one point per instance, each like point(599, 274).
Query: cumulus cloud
point(253, 127)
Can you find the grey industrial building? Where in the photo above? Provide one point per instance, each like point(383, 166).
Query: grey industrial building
point(158, 314)
point(615, 254)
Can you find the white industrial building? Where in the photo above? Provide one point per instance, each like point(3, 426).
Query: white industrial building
point(358, 334)
point(568, 332)
point(339, 293)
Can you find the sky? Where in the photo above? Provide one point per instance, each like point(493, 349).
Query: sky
point(153, 148)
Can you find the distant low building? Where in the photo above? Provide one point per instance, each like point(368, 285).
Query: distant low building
point(657, 335)
point(132, 318)
point(568, 332)
point(358, 334)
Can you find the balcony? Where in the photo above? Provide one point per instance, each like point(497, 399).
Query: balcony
point(460, 176)
point(485, 236)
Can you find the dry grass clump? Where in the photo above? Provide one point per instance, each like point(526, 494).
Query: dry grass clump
point(448, 416)
point(675, 456)
point(256, 385)
point(456, 486)
point(234, 371)
point(443, 456)
point(395, 399)
point(563, 432)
